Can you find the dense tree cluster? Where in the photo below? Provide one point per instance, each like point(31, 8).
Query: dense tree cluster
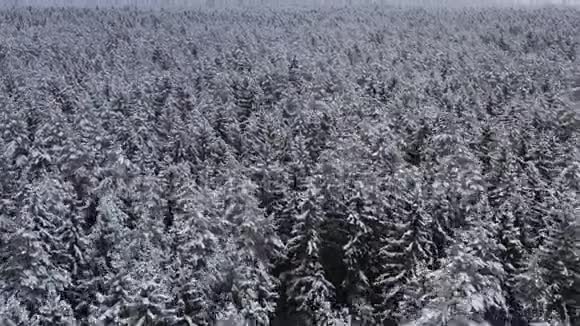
point(286, 166)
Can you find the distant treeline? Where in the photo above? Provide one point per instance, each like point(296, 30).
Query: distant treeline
point(274, 3)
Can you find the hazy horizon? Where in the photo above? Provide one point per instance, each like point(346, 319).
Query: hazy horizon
point(276, 3)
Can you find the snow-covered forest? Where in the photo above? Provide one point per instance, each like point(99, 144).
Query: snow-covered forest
point(289, 167)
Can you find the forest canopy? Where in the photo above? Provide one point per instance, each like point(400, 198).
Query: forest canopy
point(175, 168)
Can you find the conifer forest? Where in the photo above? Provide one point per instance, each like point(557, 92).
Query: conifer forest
point(289, 167)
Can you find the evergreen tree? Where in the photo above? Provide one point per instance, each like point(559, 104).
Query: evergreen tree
point(553, 270)
point(407, 246)
point(468, 282)
point(512, 255)
point(13, 312)
point(35, 260)
point(195, 265)
point(105, 240)
point(308, 288)
point(257, 246)
point(140, 281)
point(510, 201)
point(363, 227)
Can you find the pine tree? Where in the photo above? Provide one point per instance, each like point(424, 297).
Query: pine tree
point(104, 240)
point(54, 311)
point(265, 139)
point(443, 191)
point(197, 252)
point(13, 312)
point(553, 269)
point(139, 259)
point(308, 288)
point(129, 282)
point(407, 246)
point(34, 260)
point(530, 283)
point(258, 245)
point(141, 278)
point(468, 282)
point(359, 261)
point(512, 254)
point(510, 201)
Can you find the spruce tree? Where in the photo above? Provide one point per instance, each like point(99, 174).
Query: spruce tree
point(363, 229)
point(308, 290)
point(469, 281)
point(196, 250)
point(35, 257)
point(407, 245)
point(257, 246)
point(553, 270)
